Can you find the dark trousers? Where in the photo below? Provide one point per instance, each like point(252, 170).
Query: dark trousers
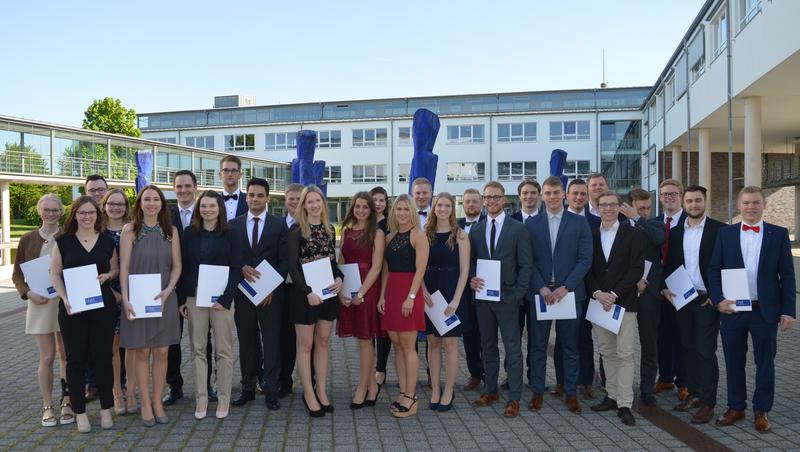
point(288, 341)
point(649, 316)
point(734, 329)
point(585, 351)
point(670, 363)
point(174, 377)
point(384, 346)
point(249, 319)
point(505, 317)
point(524, 316)
point(85, 334)
point(472, 346)
point(698, 327)
point(539, 336)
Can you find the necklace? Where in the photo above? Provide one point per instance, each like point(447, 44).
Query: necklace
point(47, 236)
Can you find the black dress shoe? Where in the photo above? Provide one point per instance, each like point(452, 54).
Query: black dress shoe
point(244, 397)
point(504, 386)
point(648, 399)
point(626, 415)
point(272, 401)
point(212, 394)
point(284, 391)
point(173, 397)
point(606, 405)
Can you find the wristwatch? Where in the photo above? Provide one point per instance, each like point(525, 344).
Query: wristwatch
point(412, 296)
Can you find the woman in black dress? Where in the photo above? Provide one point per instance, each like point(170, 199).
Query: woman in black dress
point(383, 344)
point(87, 333)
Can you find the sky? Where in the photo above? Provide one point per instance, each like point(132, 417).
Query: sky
point(177, 55)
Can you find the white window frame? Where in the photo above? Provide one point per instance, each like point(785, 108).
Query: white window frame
point(328, 143)
point(748, 10)
point(401, 141)
point(366, 178)
point(527, 170)
point(574, 174)
point(571, 137)
point(403, 172)
point(466, 134)
point(198, 140)
point(289, 141)
point(368, 143)
point(719, 34)
point(669, 91)
point(517, 138)
point(240, 147)
point(328, 176)
point(166, 140)
point(466, 171)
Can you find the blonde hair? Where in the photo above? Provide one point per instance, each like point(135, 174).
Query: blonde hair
point(49, 197)
point(431, 225)
point(394, 226)
point(301, 216)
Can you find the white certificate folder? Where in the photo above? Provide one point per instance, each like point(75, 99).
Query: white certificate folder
point(259, 289)
point(564, 309)
point(319, 276)
point(435, 313)
point(83, 288)
point(352, 279)
point(610, 320)
point(489, 271)
point(680, 284)
point(736, 286)
point(37, 276)
point(142, 290)
point(211, 283)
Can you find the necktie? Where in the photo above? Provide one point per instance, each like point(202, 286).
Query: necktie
point(470, 223)
point(234, 196)
point(755, 229)
point(423, 213)
point(492, 238)
point(254, 240)
point(665, 246)
point(529, 220)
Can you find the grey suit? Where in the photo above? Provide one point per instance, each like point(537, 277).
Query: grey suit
point(513, 249)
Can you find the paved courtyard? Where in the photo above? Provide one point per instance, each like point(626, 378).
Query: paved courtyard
point(463, 428)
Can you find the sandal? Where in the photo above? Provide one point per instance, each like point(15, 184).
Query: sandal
point(130, 404)
point(67, 416)
point(49, 420)
point(120, 410)
point(411, 410)
point(395, 406)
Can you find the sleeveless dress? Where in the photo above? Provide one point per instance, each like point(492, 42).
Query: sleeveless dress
point(359, 321)
point(115, 236)
point(401, 260)
point(442, 275)
point(152, 253)
point(302, 251)
point(43, 318)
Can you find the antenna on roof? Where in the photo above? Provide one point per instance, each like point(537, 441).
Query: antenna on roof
point(604, 83)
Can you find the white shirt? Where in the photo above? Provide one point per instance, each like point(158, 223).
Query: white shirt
point(675, 217)
point(525, 216)
point(553, 222)
point(251, 223)
point(423, 218)
point(751, 250)
point(607, 237)
point(467, 227)
point(498, 227)
point(692, 235)
point(582, 212)
point(231, 204)
point(186, 214)
point(592, 210)
point(289, 221)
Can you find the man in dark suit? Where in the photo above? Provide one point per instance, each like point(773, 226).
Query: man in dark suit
point(260, 237)
point(577, 202)
point(638, 210)
point(230, 171)
point(471, 202)
point(617, 266)
point(671, 370)
point(763, 249)
point(288, 339)
point(501, 238)
point(562, 254)
point(691, 245)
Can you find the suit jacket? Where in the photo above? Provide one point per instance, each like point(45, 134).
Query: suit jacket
point(681, 219)
point(776, 282)
point(272, 246)
point(175, 215)
point(462, 222)
point(241, 207)
point(592, 219)
point(518, 214)
point(623, 269)
point(653, 235)
point(568, 262)
point(513, 250)
point(707, 242)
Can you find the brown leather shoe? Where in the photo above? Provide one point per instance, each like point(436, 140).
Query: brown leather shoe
point(688, 404)
point(663, 386)
point(729, 417)
point(762, 423)
point(586, 392)
point(703, 415)
point(557, 391)
point(472, 383)
point(683, 393)
point(536, 402)
point(573, 405)
point(486, 400)
point(512, 408)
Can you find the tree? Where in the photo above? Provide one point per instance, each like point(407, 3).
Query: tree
point(109, 115)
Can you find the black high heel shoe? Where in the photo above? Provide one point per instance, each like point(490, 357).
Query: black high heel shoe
point(442, 407)
point(325, 408)
point(368, 402)
point(313, 413)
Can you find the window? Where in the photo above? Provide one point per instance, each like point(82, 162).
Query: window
point(240, 142)
point(403, 172)
point(404, 136)
point(459, 172)
point(747, 11)
point(697, 54)
point(569, 130)
point(465, 134)
point(329, 139)
point(516, 170)
point(680, 76)
point(659, 105)
point(576, 169)
point(669, 92)
point(719, 32)
point(170, 140)
point(281, 140)
point(333, 174)
point(200, 142)
point(369, 173)
point(515, 132)
point(369, 137)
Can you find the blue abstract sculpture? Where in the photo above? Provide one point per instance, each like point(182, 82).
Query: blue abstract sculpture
point(558, 158)
point(305, 170)
point(144, 169)
point(424, 130)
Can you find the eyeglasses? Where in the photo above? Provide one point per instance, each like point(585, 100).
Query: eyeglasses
point(116, 204)
point(229, 171)
point(97, 191)
point(494, 198)
point(672, 194)
point(51, 211)
point(608, 205)
point(86, 213)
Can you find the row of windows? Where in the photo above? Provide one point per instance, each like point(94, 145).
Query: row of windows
point(456, 172)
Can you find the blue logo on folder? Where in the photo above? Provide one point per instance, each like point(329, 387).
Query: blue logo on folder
point(353, 294)
point(326, 291)
point(689, 293)
point(214, 299)
point(740, 303)
point(246, 286)
point(449, 321)
point(94, 300)
point(50, 291)
point(617, 310)
point(149, 309)
point(492, 293)
point(542, 305)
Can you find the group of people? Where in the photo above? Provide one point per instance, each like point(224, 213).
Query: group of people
point(583, 246)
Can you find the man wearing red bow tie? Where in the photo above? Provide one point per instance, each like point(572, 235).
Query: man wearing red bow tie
point(763, 250)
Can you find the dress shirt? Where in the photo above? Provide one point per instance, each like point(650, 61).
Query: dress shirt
point(231, 204)
point(553, 222)
point(581, 213)
point(592, 210)
point(186, 215)
point(525, 216)
point(423, 218)
point(692, 235)
point(289, 221)
point(675, 217)
point(250, 223)
point(498, 227)
point(607, 237)
point(467, 220)
point(750, 241)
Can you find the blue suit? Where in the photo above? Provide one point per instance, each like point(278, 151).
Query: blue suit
point(776, 297)
point(564, 265)
point(472, 336)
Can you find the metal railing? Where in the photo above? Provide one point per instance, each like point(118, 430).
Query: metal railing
point(780, 170)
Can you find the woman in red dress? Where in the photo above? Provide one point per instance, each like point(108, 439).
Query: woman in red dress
point(362, 244)
point(401, 302)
